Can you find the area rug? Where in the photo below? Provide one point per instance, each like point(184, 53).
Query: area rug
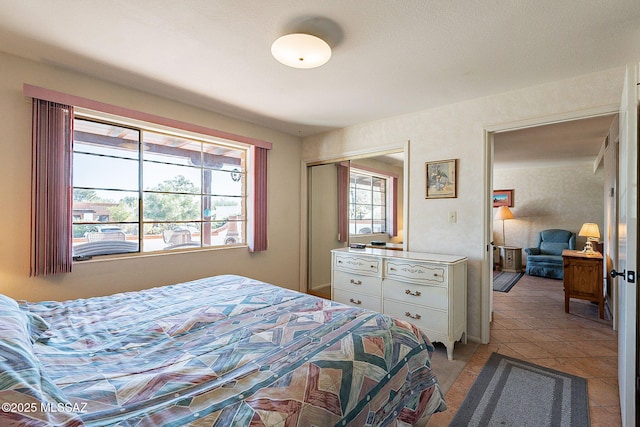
point(511, 392)
point(503, 281)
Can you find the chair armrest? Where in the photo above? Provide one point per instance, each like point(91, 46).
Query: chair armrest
point(532, 251)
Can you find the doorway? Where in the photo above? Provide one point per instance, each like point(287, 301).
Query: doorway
point(552, 161)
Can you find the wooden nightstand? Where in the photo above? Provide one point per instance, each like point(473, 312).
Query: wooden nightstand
point(583, 278)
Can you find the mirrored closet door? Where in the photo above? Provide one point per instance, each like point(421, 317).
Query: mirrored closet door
point(352, 201)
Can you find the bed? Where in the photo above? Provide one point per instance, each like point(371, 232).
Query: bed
point(220, 351)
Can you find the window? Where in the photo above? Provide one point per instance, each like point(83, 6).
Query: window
point(367, 203)
point(140, 190)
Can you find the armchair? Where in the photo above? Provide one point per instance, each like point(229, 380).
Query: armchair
point(545, 259)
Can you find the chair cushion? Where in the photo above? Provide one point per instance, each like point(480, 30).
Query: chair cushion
point(553, 248)
point(554, 241)
point(550, 271)
point(544, 259)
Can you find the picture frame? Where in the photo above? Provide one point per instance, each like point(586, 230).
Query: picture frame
point(502, 198)
point(441, 179)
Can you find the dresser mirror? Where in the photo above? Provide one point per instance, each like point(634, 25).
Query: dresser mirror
point(370, 213)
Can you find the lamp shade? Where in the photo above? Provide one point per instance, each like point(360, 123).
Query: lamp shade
point(301, 50)
point(503, 213)
point(589, 229)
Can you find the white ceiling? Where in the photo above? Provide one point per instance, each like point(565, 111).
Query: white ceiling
point(390, 57)
point(578, 141)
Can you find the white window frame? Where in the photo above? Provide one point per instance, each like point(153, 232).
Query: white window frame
point(387, 202)
point(248, 208)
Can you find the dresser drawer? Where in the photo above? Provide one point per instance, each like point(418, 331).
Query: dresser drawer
point(421, 295)
point(417, 272)
point(358, 300)
point(429, 320)
point(359, 283)
point(428, 290)
point(358, 264)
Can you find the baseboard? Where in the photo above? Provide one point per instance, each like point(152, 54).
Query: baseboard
point(475, 340)
point(319, 287)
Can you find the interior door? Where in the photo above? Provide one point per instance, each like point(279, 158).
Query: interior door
point(627, 247)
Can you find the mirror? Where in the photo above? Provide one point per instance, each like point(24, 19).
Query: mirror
point(371, 214)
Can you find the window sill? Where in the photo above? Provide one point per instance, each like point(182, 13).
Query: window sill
point(367, 235)
point(132, 256)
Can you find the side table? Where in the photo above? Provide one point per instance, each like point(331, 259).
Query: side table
point(511, 258)
point(583, 278)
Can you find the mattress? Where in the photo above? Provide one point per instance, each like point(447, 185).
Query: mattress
point(219, 351)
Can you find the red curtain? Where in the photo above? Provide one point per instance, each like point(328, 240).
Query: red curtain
point(259, 240)
point(343, 201)
point(51, 188)
point(393, 208)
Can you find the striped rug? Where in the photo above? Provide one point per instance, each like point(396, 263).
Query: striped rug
point(512, 392)
point(503, 281)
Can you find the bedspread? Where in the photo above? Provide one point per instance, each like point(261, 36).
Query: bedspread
point(228, 351)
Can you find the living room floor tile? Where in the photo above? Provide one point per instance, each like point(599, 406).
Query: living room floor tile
point(530, 324)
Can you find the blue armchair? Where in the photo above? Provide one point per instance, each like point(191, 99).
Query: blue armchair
point(545, 259)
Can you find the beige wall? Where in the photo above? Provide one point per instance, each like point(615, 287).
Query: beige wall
point(562, 197)
point(278, 265)
point(458, 131)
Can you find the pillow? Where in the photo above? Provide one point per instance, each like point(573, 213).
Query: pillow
point(36, 324)
point(22, 376)
point(7, 302)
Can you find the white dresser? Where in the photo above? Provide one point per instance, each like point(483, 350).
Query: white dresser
point(429, 290)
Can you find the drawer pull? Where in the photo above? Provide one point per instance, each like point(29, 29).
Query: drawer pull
point(392, 269)
point(356, 282)
point(354, 301)
point(417, 316)
point(415, 294)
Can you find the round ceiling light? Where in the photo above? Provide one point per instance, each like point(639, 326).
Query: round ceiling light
point(301, 50)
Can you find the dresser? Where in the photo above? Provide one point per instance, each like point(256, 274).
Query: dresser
point(583, 278)
point(429, 290)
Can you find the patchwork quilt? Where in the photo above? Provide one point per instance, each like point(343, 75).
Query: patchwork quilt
point(220, 351)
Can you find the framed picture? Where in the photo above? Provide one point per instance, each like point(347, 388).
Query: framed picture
point(502, 198)
point(441, 179)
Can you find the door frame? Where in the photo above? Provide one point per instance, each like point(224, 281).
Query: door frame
point(489, 132)
point(627, 245)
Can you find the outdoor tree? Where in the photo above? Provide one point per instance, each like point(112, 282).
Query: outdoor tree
point(176, 199)
point(80, 195)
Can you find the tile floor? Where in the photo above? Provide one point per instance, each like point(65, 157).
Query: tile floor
point(530, 324)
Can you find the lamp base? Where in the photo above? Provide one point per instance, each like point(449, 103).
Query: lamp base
point(588, 248)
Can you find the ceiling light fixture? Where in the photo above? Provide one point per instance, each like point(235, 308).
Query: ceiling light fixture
point(301, 50)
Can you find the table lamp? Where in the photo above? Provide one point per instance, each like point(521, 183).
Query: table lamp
point(503, 213)
point(591, 231)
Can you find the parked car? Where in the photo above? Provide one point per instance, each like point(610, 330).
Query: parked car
point(108, 229)
point(104, 229)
